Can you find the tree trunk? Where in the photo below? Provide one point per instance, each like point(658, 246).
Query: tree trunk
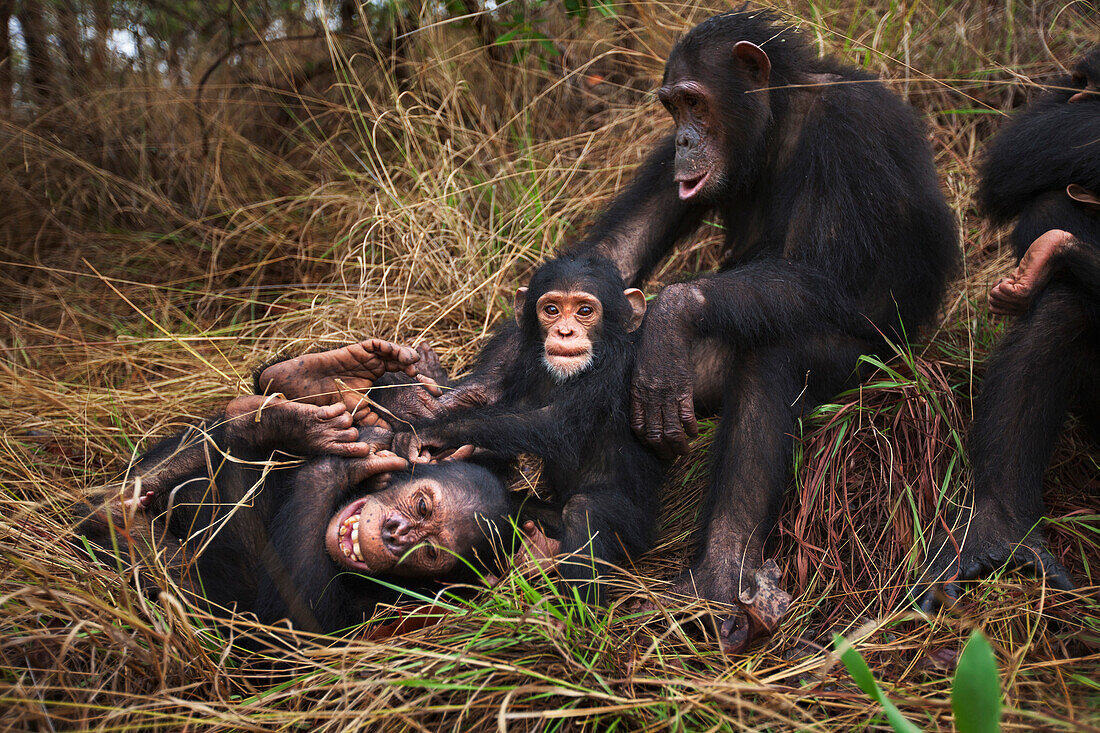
point(101, 19)
point(40, 81)
point(6, 7)
point(68, 34)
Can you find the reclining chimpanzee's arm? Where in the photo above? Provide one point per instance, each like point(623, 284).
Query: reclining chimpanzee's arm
point(300, 577)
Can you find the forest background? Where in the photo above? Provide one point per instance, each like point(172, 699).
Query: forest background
point(189, 188)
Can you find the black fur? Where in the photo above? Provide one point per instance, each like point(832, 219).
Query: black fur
point(836, 233)
point(602, 479)
point(1046, 363)
point(237, 538)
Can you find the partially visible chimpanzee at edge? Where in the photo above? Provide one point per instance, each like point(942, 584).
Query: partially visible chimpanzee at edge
point(304, 543)
point(564, 398)
point(836, 234)
point(1043, 170)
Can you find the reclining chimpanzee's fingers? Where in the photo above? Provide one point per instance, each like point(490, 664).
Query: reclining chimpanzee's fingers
point(394, 358)
point(459, 454)
point(371, 419)
point(350, 450)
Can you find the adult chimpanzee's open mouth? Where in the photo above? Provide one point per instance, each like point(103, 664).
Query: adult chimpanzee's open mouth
point(691, 186)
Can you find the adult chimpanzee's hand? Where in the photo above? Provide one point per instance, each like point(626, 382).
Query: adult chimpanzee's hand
point(662, 398)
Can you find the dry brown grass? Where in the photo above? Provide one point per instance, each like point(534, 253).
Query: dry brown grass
point(143, 279)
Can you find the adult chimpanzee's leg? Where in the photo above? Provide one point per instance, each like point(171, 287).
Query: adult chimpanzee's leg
point(1045, 360)
point(768, 389)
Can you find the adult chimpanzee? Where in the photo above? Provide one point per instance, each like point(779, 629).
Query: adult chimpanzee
point(836, 236)
point(1043, 170)
point(564, 399)
point(305, 543)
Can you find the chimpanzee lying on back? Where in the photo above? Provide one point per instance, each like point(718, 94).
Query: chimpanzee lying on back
point(565, 398)
point(1043, 171)
point(305, 542)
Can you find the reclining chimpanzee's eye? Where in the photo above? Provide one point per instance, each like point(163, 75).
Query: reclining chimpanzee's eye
point(422, 507)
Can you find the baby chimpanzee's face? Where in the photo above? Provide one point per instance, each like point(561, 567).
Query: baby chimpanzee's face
point(420, 525)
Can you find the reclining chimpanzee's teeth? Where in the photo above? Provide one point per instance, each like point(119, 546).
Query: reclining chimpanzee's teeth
point(358, 552)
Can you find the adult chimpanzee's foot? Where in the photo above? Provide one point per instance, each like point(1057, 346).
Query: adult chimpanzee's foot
point(755, 591)
point(982, 552)
point(340, 375)
point(295, 427)
point(1012, 295)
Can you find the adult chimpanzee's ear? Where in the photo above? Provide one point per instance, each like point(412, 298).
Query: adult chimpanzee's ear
point(1082, 194)
point(755, 61)
point(517, 303)
point(637, 308)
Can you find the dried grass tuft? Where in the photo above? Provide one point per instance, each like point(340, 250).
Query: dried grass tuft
point(152, 257)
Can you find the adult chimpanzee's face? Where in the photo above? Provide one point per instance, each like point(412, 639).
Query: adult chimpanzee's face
point(716, 123)
point(415, 528)
point(698, 128)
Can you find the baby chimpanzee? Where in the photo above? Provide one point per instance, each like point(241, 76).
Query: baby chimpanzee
point(303, 542)
point(565, 399)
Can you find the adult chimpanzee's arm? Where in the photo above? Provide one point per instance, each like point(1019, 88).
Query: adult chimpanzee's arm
point(760, 303)
point(644, 221)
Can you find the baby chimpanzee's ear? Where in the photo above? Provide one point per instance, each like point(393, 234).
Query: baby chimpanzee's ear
point(636, 298)
point(517, 303)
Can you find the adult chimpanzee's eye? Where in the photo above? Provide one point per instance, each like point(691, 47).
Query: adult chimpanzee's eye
point(422, 507)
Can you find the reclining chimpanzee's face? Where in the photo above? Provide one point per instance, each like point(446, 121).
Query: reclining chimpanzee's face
point(422, 523)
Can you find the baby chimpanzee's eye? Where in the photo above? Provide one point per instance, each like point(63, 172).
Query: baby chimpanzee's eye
point(585, 310)
point(550, 310)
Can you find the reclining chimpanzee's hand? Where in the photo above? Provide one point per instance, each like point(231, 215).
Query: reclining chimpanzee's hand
point(663, 410)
